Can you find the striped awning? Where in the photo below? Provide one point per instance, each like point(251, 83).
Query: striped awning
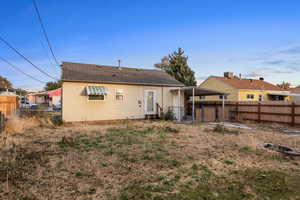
point(96, 90)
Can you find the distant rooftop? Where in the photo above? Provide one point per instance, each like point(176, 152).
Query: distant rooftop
point(251, 84)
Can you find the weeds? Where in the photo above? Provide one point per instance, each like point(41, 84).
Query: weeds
point(153, 160)
point(223, 130)
point(238, 185)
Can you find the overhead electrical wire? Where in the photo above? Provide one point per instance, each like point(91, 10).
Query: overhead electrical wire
point(25, 58)
point(44, 32)
point(21, 71)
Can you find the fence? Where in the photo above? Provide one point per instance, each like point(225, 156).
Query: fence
point(2, 120)
point(274, 112)
point(8, 104)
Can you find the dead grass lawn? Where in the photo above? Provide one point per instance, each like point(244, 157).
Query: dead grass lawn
point(146, 160)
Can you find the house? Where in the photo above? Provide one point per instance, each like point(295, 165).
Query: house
point(296, 92)
point(97, 92)
point(54, 97)
point(7, 92)
point(240, 89)
point(47, 98)
point(38, 97)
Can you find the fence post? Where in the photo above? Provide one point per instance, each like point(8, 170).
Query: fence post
point(259, 112)
point(1, 122)
point(237, 111)
point(293, 114)
point(216, 112)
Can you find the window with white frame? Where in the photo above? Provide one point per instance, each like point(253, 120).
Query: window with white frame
point(119, 94)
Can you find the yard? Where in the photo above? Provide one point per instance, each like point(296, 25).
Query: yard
point(146, 160)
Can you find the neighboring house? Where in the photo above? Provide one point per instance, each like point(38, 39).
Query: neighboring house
point(50, 98)
point(38, 97)
point(240, 89)
point(54, 97)
point(96, 92)
point(296, 90)
point(7, 92)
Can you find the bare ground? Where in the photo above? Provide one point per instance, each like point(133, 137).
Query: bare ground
point(147, 160)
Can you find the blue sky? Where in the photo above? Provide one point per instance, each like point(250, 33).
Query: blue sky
point(255, 38)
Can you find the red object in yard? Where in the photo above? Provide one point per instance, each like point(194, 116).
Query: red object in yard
point(56, 92)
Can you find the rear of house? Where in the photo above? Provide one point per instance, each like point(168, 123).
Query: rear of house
point(96, 92)
point(240, 89)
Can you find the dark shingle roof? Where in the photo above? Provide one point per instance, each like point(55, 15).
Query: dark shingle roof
point(77, 72)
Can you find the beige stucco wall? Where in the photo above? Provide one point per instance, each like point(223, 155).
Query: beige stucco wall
point(76, 106)
point(215, 84)
point(243, 94)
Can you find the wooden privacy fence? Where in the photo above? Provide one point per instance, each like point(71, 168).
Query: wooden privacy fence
point(2, 120)
point(274, 112)
point(8, 105)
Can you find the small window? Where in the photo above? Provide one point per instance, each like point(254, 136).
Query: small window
point(96, 97)
point(221, 97)
point(201, 97)
point(260, 98)
point(119, 94)
point(250, 96)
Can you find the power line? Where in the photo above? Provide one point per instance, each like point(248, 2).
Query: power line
point(44, 31)
point(18, 69)
point(25, 58)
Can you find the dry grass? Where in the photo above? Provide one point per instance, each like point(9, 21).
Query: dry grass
point(145, 160)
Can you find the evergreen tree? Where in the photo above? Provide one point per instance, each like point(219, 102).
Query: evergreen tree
point(284, 85)
point(4, 83)
point(177, 66)
point(53, 85)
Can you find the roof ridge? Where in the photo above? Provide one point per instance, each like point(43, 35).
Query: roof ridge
point(112, 66)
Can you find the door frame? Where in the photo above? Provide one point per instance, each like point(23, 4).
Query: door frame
point(154, 102)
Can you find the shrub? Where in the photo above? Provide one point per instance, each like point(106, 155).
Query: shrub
point(168, 116)
point(57, 120)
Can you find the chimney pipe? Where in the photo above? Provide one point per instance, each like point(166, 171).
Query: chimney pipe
point(229, 74)
point(119, 64)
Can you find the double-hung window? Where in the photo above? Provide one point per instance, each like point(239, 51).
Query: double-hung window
point(119, 94)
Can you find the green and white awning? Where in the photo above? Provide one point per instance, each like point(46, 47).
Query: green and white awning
point(96, 90)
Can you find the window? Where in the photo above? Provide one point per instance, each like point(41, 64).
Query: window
point(250, 96)
point(201, 97)
point(260, 98)
point(119, 94)
point(96, 97)
point(221, 97)
point(96, 93)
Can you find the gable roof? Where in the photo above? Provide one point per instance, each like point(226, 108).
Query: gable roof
point(77, 72)
point(251, 84)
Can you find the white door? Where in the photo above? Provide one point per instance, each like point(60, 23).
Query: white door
point(175, 105)
point(150, 102)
